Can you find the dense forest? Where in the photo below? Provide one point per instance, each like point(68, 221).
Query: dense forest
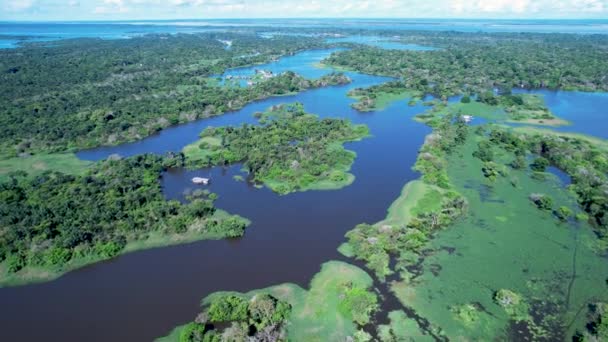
point(291, 150)
point(56, 221)
point(468, 63)
point(88, 92)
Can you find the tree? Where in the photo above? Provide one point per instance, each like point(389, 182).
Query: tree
point(539, 164)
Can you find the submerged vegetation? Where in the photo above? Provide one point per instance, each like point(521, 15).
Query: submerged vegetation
point(290, 151)
point(54, 222)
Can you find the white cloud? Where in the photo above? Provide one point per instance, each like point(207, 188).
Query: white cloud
point(150, 9)
point(17, 5)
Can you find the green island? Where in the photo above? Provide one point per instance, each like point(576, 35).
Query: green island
point(290, 151)
point(337, 305)
point(378, 97)
point(59, 222)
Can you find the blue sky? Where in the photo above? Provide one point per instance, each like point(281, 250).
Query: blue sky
point(193, 9)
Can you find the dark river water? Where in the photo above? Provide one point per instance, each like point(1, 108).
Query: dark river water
point(142, 295)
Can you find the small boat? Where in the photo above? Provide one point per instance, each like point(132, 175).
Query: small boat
point(200, 180)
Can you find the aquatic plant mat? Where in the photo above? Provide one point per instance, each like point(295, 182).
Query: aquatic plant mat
point(548, 270)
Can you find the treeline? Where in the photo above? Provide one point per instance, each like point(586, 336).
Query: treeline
point(477, 63)
point(56, 220)
point(87, 92)
point(289, 151)
point(236, 318)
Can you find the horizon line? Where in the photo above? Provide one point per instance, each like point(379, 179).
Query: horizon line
point(298, 18)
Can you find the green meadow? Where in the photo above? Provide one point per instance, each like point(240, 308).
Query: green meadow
point(36, 164)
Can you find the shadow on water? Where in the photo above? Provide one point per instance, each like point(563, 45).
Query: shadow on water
point(142, 295)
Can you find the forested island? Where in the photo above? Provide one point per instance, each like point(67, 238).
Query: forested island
point(290, 151)
point(55, 222)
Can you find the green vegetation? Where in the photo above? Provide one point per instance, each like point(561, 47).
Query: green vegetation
point(231, 317)
point(512, 303)
point(290, 151)
point(54, 222)
point(521, 108)
point(401, 328)
point(478, 62)
point(511, 267)
point(338, 301)
point(379, 96)
point(585, 162)
point(422, 209)
point(597, 327)
point(83, 93)
point(35, 165)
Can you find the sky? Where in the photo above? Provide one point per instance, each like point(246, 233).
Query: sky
point(206, 9)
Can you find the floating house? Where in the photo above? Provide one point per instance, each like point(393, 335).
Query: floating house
point(467, 118)
point(200, 180)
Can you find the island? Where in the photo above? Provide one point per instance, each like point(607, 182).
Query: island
point(289, 151)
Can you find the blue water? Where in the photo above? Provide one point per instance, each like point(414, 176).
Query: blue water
point(587, 112)
point(384, 43)
point(303, 63)
point(326, 102)
point(127, 29)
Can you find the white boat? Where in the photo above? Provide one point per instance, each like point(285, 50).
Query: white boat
point(200, 180)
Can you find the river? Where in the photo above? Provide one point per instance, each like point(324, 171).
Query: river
point(142, 295)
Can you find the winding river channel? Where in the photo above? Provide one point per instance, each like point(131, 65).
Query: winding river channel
point(142, 295)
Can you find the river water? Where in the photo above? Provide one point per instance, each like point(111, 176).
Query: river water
point(142, 295)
